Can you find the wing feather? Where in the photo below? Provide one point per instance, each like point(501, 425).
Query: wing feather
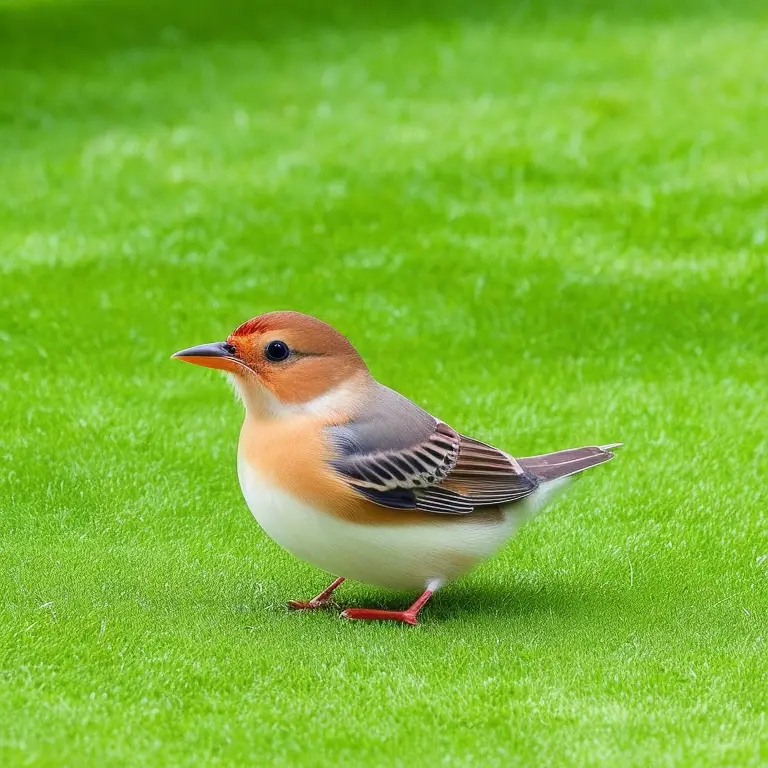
point(445, 473)
point(399, 456)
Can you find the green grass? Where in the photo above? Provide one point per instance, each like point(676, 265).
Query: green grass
point(548, 223)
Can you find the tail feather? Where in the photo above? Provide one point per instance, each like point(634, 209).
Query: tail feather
point(552, 466)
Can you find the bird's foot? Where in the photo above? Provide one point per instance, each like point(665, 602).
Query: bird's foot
point(307, 605)
point(407, 617)
point(370, 614)
point(319, 601)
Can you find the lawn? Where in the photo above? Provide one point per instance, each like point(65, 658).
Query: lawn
point(546, 222)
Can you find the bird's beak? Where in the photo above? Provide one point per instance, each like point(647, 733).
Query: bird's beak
point(217, 355)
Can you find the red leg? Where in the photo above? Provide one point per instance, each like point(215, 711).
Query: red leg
point(408, 616)
point(319, 601)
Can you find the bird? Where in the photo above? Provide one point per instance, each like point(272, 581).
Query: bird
point(358, 480)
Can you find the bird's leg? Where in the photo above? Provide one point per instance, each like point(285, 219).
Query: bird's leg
point(319, 600)
point(407, 616)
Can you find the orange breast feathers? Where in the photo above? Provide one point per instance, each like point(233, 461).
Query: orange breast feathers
point(294, 453)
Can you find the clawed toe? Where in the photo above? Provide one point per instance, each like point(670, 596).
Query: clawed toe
point(307, 605)
point(370, 614)
point(318, 601)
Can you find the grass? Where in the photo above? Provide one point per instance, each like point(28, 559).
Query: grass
point(547, 223)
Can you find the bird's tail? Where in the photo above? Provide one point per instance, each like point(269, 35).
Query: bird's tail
point(553, 466)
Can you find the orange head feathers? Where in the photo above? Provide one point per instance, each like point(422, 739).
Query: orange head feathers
point(294, 357)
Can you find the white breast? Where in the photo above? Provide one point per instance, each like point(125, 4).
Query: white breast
point(396, 556)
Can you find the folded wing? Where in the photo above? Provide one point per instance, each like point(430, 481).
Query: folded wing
point(402, 458)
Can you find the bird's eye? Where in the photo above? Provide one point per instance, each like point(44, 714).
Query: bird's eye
point(277, 351)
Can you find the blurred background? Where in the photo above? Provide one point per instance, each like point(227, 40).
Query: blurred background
point(546, 221)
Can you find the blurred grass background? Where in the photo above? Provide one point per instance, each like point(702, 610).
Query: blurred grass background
point(546, 222)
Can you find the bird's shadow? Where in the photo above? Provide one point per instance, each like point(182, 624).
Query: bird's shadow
point(467, 599)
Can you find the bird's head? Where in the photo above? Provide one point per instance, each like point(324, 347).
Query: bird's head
point(284, 362)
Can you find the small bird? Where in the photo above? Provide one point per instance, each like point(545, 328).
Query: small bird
point(356, 479)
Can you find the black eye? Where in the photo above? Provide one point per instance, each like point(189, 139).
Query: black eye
point(276, 351)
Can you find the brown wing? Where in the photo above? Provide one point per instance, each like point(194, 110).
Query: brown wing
point(424, 464)
point(489, 476)
point(417, 466)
